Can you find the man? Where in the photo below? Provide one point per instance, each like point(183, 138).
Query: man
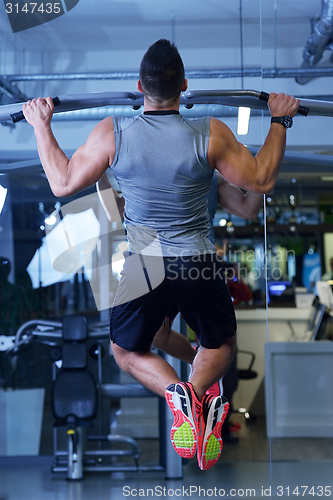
point(164, 165)
point(234, 201)
point(230, 198)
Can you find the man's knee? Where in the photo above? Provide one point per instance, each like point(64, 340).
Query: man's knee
point(124, 358)
point(229, 347)
point(121, 355)
point(162, 335)
point(232, 342)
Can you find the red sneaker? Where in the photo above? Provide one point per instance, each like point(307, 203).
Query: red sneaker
point(186, 409)
point(216, 389)
point(214, 411)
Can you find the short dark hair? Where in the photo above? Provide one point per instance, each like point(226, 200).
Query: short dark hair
point(162, 71)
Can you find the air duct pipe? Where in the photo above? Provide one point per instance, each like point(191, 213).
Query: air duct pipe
point(321, 38)
point(204, 74)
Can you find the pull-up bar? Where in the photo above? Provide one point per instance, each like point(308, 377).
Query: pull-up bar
point(238, 98)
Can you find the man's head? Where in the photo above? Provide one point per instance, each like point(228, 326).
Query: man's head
point(162, 74)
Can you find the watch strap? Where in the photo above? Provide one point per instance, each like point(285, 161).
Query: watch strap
point(286, 121)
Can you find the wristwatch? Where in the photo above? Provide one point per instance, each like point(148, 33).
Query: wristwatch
point(286, 121)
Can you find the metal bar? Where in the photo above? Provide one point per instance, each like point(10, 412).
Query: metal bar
point(36, 322)
point(75, 454)
point(173, 465)
point(125, 391)
point(106, 453)
point(101, 468)
point(99, 113)
point(217, 73)
point(11, 90)
point(197, 111)
point(318, 108)
point(116, 75)
point(247, 98)
point(47, 334)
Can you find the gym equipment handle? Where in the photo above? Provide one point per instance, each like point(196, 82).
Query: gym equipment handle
point(302, 110)
point(17, 117)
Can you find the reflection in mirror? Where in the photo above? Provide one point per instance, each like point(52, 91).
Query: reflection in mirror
point(299, 227)
point(278, 433)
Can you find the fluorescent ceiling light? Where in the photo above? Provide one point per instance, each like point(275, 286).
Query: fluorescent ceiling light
point(3, 194)
point(243, 120)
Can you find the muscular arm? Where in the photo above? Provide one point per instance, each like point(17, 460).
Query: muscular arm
point(234, 201)
point(236, 163)
point(88, 163)
point(107, 195)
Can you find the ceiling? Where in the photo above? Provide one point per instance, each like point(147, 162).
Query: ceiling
point(132, 24)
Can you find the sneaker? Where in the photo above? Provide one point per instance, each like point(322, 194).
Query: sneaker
point(216, 389)
point(214, 411)
point(186, 409)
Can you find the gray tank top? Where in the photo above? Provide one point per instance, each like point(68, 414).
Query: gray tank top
point(163, 173)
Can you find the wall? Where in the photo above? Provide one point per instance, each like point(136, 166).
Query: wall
point(328, 251)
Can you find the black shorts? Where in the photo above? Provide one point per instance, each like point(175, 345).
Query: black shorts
point(148, 285)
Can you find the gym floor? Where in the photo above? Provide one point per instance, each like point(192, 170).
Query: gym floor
point(254, 467)
point(233, 479)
